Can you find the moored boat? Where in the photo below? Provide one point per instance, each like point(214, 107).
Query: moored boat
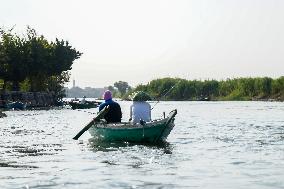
point(16, 106)
point(149, 132)
point(88, 104)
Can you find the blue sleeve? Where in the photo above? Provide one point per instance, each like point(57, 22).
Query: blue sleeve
point(102, 106)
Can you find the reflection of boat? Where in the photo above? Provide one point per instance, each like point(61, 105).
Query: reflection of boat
point(106, 146)
point(16, 105)
point(149, 132)
point(86, 105)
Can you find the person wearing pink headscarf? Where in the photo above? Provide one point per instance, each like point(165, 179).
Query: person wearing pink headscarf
point(114, 114)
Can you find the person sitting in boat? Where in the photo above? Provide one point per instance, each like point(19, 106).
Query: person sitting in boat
point(114, 114)
point(83, 101)
point(140, 110)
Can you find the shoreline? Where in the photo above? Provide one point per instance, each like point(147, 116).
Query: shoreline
point(29, 99)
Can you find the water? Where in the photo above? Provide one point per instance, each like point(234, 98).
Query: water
point(214, 145)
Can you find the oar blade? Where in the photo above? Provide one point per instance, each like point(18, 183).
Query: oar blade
point(83, 130)
point(99, 116)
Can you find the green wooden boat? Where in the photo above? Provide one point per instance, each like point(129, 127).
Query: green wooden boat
point(149, 132)
point(86, 105)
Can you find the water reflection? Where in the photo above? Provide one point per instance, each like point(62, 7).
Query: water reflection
point(96, 145)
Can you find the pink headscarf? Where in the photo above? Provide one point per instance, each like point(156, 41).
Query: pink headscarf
point(107, 95)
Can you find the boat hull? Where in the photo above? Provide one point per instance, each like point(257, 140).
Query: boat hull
point(151, 132)
point(88, 105)
point(16, 106)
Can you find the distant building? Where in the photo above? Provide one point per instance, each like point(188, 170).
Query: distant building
point(88, 92)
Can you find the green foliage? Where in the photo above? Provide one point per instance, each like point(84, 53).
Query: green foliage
point(13, 53)
point(56, 84)
point(33, 63)
point(235, 96)
point(278, 85)
point(122, 87)
point(1, 83)
point(230, 89)
point(25, 85)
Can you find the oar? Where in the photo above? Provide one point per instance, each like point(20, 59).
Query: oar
point(99, 116)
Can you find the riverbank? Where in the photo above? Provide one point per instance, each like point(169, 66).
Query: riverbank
point(31, 99)
point(269, 98)
point(236, 89)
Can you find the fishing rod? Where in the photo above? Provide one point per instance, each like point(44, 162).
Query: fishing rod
point(165, 94)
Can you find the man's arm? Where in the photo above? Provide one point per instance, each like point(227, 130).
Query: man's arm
point(101, 106)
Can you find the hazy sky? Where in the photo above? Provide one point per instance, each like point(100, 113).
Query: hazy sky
point(137, 41)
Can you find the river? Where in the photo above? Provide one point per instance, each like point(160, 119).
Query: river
point(213, 145)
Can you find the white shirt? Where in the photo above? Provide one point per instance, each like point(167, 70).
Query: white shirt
point(83, 101)
point(140, 110)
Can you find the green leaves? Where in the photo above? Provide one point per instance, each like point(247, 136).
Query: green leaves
point(32, 57)
point(230, 89)
point(122, 87)
point(12, 58)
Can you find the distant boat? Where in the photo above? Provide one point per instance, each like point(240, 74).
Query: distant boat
point(87, 105)
point(204, 98)
point(16, 106)
point(149, 132)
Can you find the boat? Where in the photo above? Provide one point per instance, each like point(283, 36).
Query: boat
point(144, 132)
point(16, 106)
point(87, 105)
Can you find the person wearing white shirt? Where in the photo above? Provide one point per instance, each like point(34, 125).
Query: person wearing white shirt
point(83, 101)
point(140, 110)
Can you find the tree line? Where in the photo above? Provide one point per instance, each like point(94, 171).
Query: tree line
point(32, 63)
point(231, 89)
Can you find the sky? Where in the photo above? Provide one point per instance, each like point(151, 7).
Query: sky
point(138, 41)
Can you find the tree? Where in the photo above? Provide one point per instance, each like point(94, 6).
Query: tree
point(110, 88)
point(3, 60)
point(62, 57)
point(13, 58)
point(34, 61)
point(56, 84)
point(122, 87)
point(48, 59)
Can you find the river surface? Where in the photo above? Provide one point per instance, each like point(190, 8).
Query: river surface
point(213, 145)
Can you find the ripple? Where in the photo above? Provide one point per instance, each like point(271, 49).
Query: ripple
point(108, 162)
point(17, 166)
point(239, 144)
point(225, 139)
point(238, 162)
